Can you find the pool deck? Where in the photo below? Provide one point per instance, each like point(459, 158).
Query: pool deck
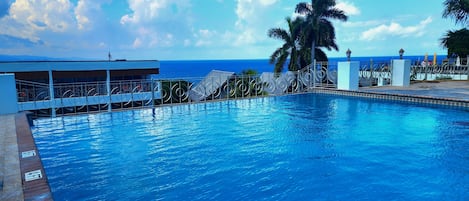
point(22, 176)
point(457, 90)
point(16, 136)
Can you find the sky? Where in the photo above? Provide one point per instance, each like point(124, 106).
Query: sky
point(208, 29)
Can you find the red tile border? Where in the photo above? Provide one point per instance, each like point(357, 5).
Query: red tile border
point(36, 189)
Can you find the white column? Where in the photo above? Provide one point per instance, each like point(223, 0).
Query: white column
point(9, 100)
point(401, 72)
point(51, 94)
point(347, 75)
point(108, 88)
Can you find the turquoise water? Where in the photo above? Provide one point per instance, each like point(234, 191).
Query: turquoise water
point(299, 147)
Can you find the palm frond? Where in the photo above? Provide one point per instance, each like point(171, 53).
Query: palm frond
point(458, 10)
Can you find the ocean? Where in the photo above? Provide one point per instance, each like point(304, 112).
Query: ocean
point(200, 68)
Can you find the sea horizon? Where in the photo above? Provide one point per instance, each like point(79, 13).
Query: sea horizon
point(13, 58)
point(200, 68)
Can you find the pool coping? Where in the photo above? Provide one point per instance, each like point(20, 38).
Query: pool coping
point(36, 188)
point(431, 100)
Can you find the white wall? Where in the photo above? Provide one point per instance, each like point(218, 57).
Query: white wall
point(347, 75)
point(8, 98)
point(401, 72)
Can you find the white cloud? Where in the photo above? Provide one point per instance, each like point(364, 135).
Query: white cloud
point(26, 18)
point(143, 10)
point(251, 25)
point(157, 22)
point(267, 2)
point(348, 8)
point(350, 24)
point(187, 42)
point(394, 29)
point(137, 43)
point(85, 13)
point(205, 37)
point(37, 20)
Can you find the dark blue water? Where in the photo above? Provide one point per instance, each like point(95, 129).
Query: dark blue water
point(200, 68)
point(300, 147)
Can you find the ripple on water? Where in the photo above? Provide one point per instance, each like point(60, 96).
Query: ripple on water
point(300, 147)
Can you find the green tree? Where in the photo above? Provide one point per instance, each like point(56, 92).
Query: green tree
point(290, 47)
point(458, 10)
point(317, 15)
point(249, 72)
point(326, 40)
point(457, 41)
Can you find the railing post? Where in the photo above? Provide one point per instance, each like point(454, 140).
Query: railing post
point(170, 91)
point(152, 86)
point(298, 81)
point(108, 88)
point(467, 67)
point(371, 72)
point(314, 73)
point(51, 94)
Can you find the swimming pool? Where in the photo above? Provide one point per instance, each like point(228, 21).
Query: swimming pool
point(298, 147)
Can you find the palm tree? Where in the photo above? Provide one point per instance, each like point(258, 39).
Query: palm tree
point(457, 42)
point(457, 9)
point(317, 14)
point(326, 40)
point(289, 50)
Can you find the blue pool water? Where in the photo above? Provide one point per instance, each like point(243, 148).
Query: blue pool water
point(299, 147)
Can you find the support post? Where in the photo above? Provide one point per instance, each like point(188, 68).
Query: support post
point(401, 72)
point(347, 75)
point(52, 94)
point(314, 73)
point(108, 88)
point(467, 67)
point(9, 100)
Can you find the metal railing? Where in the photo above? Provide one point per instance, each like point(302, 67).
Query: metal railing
point(79, 89)
point(445, 71)
point(318, 74)
point(375, 73)
point(121, 94)
point(32, 91)
point(87, 97)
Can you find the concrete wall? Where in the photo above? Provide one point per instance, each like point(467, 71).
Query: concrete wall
point(401, 72)
point(347, 75)
point(8, 98)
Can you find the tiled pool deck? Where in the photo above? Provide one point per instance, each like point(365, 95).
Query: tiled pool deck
point(20, 162)
point(16, 137)
point(458, 90)
point(447, 93)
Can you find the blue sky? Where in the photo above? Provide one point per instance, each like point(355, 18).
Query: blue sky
point(207, 29)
